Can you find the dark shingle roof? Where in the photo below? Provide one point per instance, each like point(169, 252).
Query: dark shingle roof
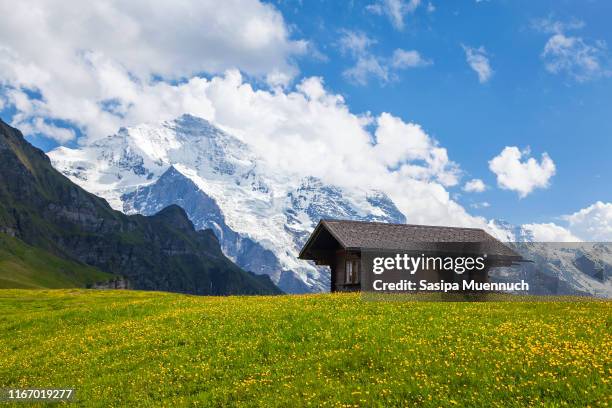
point(379, 235)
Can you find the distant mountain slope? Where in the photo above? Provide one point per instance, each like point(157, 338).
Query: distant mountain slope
point(565, 268)
point(25, 266)
point(44, 209)
point(569, 268)
point(260, 216)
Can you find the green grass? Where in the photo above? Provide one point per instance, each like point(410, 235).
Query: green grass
point(24, 266)
point(121, 348)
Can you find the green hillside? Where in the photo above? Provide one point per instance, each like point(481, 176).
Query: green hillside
point(158, 349)
point(24, 266)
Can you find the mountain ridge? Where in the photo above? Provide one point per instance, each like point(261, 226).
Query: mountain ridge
point(260, 217)
point(44, 209)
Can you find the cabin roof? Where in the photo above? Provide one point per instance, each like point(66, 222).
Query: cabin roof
point(360, 235)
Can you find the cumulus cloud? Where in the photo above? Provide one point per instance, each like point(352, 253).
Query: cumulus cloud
point(90, 60)
point(368, 65)
point(593, 223)
point(570, 54)
point(295, 132)
point(40, 126)
point(395, 10)
point(522, 176)
point(478, 60)
point(550, 232)
point(474, 186)
point(399, 145)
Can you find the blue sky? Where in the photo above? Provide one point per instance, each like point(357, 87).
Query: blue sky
point(63, 84)
point(522, 104)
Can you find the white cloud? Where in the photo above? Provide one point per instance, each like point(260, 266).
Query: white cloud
point(478, 60)
point(408, 59)
point(85, 56)
point(593, 223)
point(399, 143)
point(550, 232)
point(41, 127)
point(280, 124)
point(367, 65)
point(521, 176)
point(572, 55)
point(153, 37)
point(294, 131)
point(355, 43)
point(404, 162)
point(474, 186)
point(395, 10)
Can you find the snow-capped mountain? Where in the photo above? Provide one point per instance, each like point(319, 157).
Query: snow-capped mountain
point(261, 218)
point(512, 233)
point(558, 268)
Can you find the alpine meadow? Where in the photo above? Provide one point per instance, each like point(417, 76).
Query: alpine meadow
point(120, 348)
point(288, 203)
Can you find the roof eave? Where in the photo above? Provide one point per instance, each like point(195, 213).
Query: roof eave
point(322, 224)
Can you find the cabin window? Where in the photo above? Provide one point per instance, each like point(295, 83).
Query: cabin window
point(352, 272)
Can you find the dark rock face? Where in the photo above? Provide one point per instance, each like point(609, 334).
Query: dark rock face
point(594, 267)
point(174, 188)
point(163, 252)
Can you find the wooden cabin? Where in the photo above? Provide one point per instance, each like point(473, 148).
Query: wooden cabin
point(340, 245)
